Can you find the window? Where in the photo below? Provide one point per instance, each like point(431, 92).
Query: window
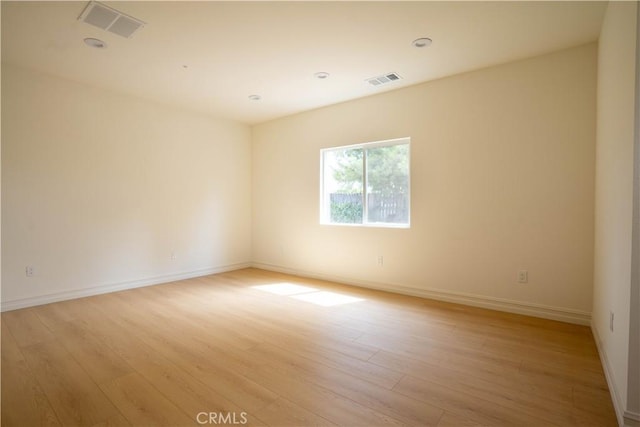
point(366, 184)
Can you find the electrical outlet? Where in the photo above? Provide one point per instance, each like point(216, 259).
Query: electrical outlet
point(30, 270)
point(173, 255)
point(611, 321)
point(380, 260)
point(523, 276)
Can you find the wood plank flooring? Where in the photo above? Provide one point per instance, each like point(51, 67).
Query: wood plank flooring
point(265, 349)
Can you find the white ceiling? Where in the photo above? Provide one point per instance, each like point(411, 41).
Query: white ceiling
point(235, 49)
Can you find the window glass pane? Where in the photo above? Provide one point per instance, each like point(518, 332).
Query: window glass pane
point(366, 184)
point(343, 177)
point(388, 184)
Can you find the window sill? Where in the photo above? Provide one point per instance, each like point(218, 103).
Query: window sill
point(370, 225)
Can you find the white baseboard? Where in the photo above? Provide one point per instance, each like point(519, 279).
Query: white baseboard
point(529, 309)
point(97, 290)
point(554, 313)
point(608, 373)
point(631, 419)
point(625, 418)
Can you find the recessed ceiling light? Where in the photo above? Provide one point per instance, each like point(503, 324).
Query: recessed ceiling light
point(254, 97)
point(321, 75)
point(97, 43)
point(422, 42)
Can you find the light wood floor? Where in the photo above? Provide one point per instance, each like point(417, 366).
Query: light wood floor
point(161, 355)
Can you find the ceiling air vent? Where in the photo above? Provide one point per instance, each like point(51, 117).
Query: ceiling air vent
point(383, 79)
point(109, 19)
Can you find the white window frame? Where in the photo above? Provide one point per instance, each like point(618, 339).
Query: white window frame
point(324, 217)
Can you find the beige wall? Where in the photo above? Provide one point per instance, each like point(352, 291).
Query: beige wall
point(614, 192)
point(98, 189)
point(502, 180)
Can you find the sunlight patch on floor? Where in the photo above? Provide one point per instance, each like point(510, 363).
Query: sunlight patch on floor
point(327, 299)
point(307, 294)
point(285, 289)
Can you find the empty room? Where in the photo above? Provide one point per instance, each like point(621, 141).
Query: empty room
point(323, 213)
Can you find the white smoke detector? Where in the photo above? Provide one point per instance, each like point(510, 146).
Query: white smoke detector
point(109, 19)
point(97, 43)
